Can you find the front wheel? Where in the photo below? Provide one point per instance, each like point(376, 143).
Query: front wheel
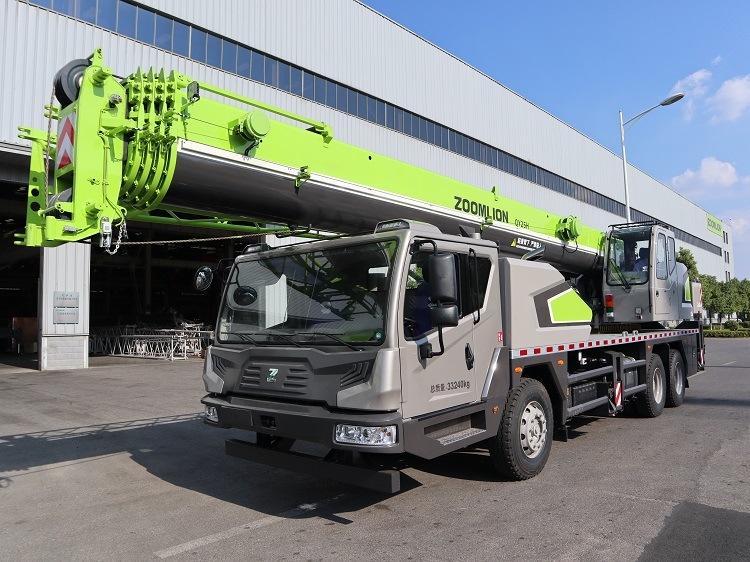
point(524, 440)
point(676, 388)
point(650, 403)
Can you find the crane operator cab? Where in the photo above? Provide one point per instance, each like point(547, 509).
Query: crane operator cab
point(643, 281)
point(634, 260)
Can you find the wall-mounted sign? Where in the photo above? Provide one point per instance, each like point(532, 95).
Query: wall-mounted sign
point(65, 299)
point(65, 316)
point(65, 307)
point(714, 225)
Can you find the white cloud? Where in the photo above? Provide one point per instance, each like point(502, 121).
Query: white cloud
point(716, 61)
point(712, 180)
point(740, 227)
point(731, 100)
point(694, 87)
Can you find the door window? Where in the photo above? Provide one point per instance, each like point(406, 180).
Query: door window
point(661, 257)
point(671, 255)
point(473, 272)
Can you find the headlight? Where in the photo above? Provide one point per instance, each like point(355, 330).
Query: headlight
point(365, 435)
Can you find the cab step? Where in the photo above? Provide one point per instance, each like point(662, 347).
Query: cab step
point(460, 435)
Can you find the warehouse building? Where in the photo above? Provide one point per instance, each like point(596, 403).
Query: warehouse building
point(376, 83)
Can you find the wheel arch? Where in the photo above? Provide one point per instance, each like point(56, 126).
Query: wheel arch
point(544, 373)
point(662, 350)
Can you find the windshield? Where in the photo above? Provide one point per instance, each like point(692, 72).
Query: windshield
point(628, 253)
point(328, 297)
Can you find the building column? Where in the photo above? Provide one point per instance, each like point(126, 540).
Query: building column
point(64, 296)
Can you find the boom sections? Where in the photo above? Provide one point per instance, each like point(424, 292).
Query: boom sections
point(134, 148)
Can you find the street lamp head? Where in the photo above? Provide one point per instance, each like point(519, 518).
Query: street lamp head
point(672, 99)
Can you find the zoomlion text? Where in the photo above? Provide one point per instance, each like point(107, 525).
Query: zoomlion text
point(480, 209)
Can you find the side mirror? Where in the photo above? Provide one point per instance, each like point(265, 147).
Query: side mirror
point(245, 296)
point(203, 278)
point(444, 295)
point(443, 290)
point(444, 315)
point(442, 277)
point(440, 315)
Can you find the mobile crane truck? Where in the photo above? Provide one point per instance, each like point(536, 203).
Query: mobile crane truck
point(458, 317)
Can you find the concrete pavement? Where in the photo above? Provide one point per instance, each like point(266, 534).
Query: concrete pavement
point(113, 462)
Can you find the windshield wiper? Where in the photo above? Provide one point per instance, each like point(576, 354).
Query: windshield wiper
point(247, 337)
point(334, 338)
point(285, 338)
point(619, 274)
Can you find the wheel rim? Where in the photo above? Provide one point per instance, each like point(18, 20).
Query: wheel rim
point(657, 385)
point(679, 383)
point(533, 430)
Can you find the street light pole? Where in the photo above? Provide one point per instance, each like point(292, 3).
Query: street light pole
point(668, 101)
point(625, 170)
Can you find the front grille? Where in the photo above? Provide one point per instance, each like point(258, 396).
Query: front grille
point(250, 378)
point(289, 380)
point(297, 380)
point(317, 379)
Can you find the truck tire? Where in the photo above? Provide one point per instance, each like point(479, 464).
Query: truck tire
point(650, 403)
point(676, 387)
point(67, 81)
point(524, 440)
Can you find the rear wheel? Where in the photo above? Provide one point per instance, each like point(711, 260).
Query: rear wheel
point(676, 388)
point(650, 403)
point(524, 440)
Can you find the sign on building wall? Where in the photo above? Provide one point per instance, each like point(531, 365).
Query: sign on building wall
point(714, 225)
point(65, 307)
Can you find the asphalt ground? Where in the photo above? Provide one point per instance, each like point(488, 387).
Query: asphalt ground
point(114, 463)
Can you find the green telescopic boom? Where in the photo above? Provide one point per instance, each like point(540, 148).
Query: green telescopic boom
point(153, 147)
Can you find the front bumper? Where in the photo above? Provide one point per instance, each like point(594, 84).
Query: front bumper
point(300, 421)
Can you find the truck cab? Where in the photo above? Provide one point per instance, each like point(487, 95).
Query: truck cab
point(396, 341)
point(340, 341)
point(643, 281)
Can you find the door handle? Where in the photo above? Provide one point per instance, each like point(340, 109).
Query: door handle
point(469, 357)
point(657, 293)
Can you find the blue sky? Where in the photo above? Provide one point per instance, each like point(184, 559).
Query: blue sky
point(585, 60)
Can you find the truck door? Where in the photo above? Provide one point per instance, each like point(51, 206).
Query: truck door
point(664, 284)
point(450, 379)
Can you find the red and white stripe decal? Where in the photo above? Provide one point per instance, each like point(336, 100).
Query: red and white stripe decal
point(618, 394)
point(65, 139)
point(598, 342)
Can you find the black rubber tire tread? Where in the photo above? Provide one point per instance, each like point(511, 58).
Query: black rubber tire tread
point(505, 449)
point(66, 81)
point(645, 404)
point(674, 398)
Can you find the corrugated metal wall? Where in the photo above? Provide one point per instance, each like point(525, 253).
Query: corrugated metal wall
point(348, 42)
point(65, 269)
